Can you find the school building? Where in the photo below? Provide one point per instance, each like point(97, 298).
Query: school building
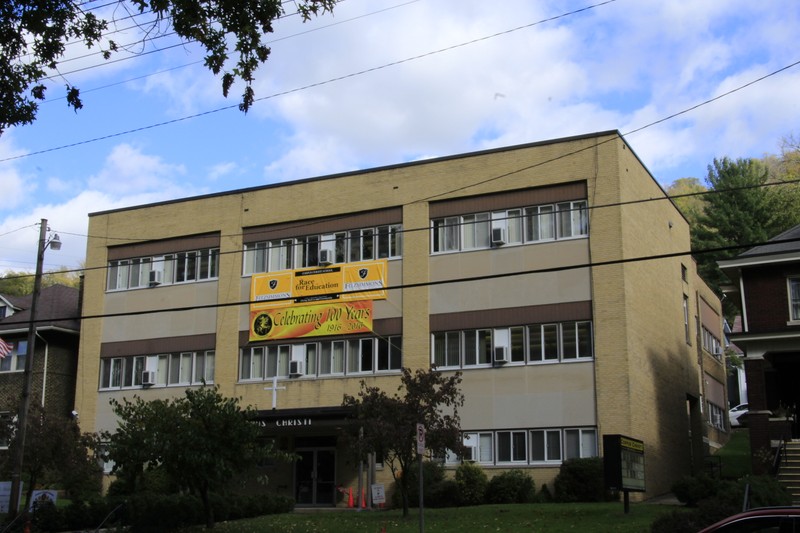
point(555, 275)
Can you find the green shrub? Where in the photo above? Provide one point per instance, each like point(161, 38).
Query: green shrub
point(513, 486)
point(691, 489)
point(581, 480)
point(544, 495)
point(471, 481)
point(443, 494)
point(79, 515)
point(432, 475)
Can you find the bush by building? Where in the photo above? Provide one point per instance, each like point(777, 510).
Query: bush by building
point(512, 486)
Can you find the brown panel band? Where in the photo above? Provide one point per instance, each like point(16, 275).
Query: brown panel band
point(152, 248)
point(325, 225)
point(513, 316)
point(190, 343)
point(509, 200)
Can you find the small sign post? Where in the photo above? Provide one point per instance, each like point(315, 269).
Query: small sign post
point(623, 465)
point(378, 493)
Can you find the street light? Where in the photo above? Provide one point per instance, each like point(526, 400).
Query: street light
point(25, 399)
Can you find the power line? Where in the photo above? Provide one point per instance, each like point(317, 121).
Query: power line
point(426, 228)
point(312, 85)
point(562, 268)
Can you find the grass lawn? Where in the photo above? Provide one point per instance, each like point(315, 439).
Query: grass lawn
point(735, 455)
point(550, 518)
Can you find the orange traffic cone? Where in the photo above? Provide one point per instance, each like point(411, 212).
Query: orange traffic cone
point(363, 500)
point(350, 498)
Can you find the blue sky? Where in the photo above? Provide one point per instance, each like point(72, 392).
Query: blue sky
point(390, 81)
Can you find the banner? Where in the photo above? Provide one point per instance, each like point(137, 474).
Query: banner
point(363, 280)
point(340, 318)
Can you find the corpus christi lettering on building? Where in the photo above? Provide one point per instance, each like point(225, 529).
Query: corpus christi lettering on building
point(516, 266)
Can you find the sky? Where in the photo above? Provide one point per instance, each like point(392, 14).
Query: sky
point(383, 82)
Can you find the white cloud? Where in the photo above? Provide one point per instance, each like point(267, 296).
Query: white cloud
point(127, 170)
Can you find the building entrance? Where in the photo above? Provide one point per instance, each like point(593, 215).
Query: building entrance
point(315, 477)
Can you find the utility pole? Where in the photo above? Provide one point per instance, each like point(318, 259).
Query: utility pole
point(25, 399)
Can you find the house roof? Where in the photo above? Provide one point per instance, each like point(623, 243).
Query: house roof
point(775, 246)
point(58, 306)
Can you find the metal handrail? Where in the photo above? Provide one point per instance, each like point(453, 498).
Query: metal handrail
point(780, 453)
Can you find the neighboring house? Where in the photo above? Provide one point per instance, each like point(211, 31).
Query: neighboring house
point(556, 276)
point(766, 286)
point(55, 362)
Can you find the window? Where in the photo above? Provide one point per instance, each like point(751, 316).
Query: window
point(332, 358)
point(580, 443)
point(686, 320)
point(447, 349)
point(539, 223)
point(445, 234)
point(360, 355)
point(389, 353)
point(794, 299)
point(517, 344)
point(182, 267)
point(477, 347)
point(475, 231)
point(511, 447)
point(543, 343)
point(545, 445)
point(185, 368)
point(384, 242)
point(710, 343)
point(564, 220)
point(534, 446)
point(15, 361)
point(577, 340)
point(525, 344)
point(479, 447)
point(573, 219)
point(364, 355)
point(716, 416)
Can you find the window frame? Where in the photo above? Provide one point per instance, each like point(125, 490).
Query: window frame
point(793, 297)
point(514, 446)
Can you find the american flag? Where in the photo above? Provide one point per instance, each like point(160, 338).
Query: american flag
point(5, 348)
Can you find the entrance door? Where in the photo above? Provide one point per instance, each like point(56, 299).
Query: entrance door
point(315, 477)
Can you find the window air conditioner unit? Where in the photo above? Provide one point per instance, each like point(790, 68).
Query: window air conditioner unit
point(156, 277)
point(498, 236)
point(325, 257)
point(296, 368)
point(501, 354)
point(148, 378)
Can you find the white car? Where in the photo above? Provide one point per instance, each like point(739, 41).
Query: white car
point(735, 413)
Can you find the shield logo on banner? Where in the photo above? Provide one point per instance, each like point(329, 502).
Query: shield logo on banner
point(273, 283)
point(362, 273)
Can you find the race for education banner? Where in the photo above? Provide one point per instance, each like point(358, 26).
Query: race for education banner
point(363, 280)
point(335, 318)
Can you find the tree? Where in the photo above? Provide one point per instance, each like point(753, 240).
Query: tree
point(56, 454)
point(386, 425)
point(741, 210)
point(201, 441)
point(21, 283)
point(34, 35)
point(687, 193)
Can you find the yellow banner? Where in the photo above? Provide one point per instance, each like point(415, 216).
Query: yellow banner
point(364, 280)
point(342, 318)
